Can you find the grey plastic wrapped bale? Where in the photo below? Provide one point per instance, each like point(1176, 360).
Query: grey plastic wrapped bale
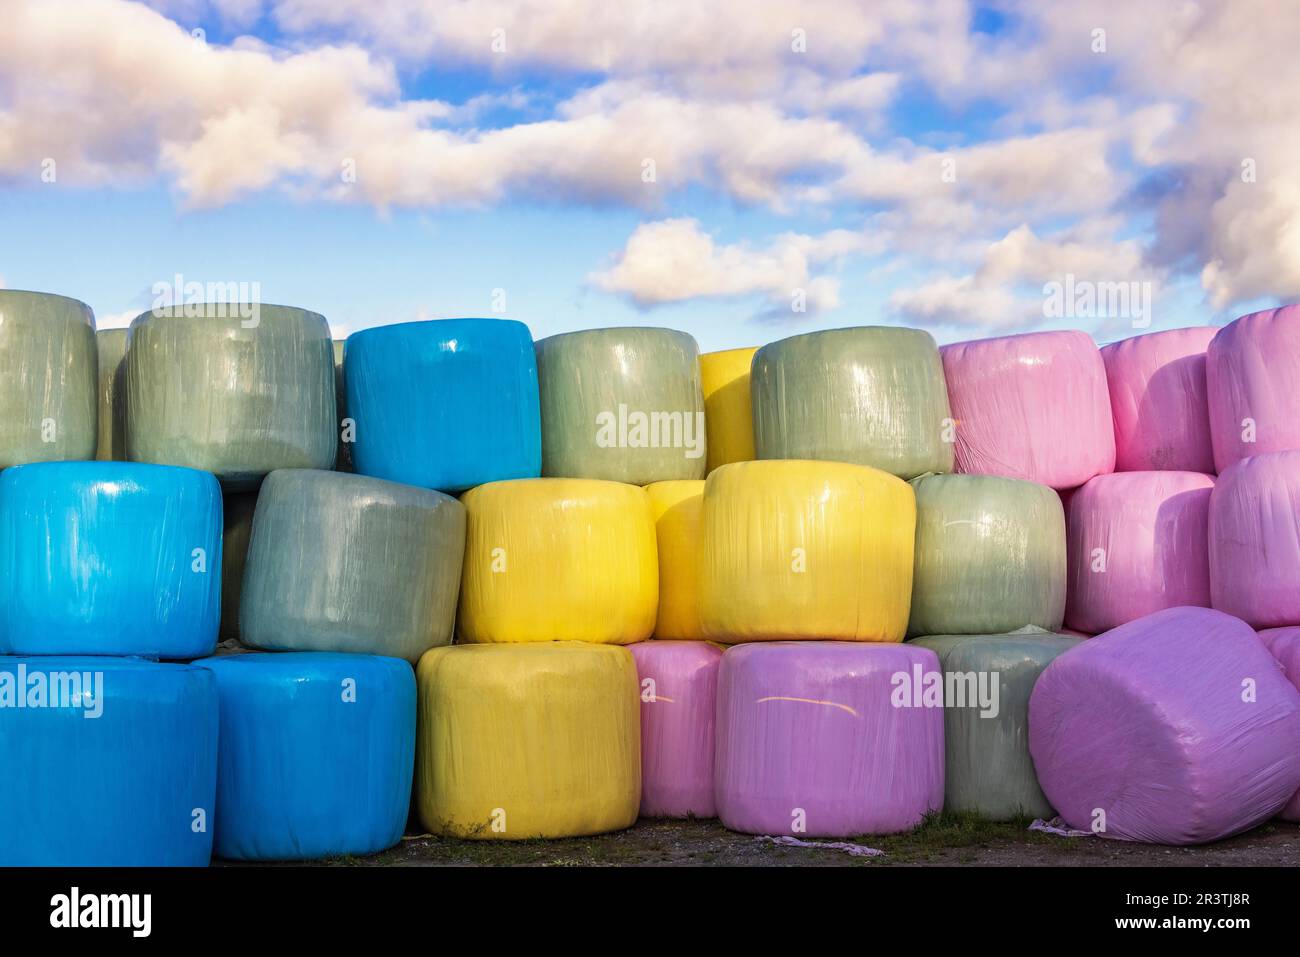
point(343, 459)
point(623, 405)
point(111, 347)
point(49, 407)
point(990, 556)
point(987, 683)
point(233, 390)
point(349, 563)
point(238, 510)
point(869, 395)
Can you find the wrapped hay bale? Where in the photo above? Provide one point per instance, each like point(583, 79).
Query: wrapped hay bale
point(677, 508)
point(1284, 645)
point(1178, 728)
point(343, 458)
point(1033, 406)
point(237, 513)
point(728, 411)
point(990, 556)
point(810, 742)
point(806, 550)
point(623, 405)
point(110, 345)
point(117, 768)
point(529, 740)
point(558, 559)
point(870, 395)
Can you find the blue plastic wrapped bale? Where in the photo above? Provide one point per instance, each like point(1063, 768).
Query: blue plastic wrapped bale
point(109, 558)
point(445, 404)
point(107, 762)
point(317, 753)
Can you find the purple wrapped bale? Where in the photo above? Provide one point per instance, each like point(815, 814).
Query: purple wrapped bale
point(1284, 643)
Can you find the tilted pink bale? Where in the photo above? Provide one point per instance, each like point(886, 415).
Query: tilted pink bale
point(1157, 401)
point(679, 682)
point(1284, 644)
point(1031, 406)
point(1136, 543)
point(811, 744)
point(1177, 728)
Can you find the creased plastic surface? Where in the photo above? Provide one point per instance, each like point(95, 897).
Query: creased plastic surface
point(109, 558)
point(986, 740)
point(316, 754)
point(678, 509)
point(445, 404)
point(49, 407)
point(1158, 401)
point(1033, 406)
point(1284, 645)
point(110, 345)
point(871, 395)
point(679, 686)
point(807, 735)
point(523, 741)
point(1149, 725)
point(342, 562)
point(1137, 544)
point(343, 455)
point(623, 405)
point(806, 550)
point(728, 411)
point(990, 556)
point(213, 393)
point(556, 560)
point(117, 790)
point(237, 508)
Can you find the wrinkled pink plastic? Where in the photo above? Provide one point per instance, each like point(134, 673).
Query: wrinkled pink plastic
point(1284, 644)
point(677, 726)
point(1031, 406)
point(1148, 723)
point(1252, 369)
point(1152, 528)
point(1255, 540)
point(1157, 401)
point(809, 725)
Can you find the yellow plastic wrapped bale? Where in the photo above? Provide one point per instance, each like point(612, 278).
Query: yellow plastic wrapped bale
point(798, 549)
point(728, 412)
point(527, 741)
point(558, 559)
point(677, 507)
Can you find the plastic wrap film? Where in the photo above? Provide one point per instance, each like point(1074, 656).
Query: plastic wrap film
point(237, 508)
point(49, 406)
point(677, 508)
point(871, 395)
point(623, 405)
point(316, 756)
point(1033, 406)
point(236, 395)
point(1255, 540)
point(343, 456)
point(527, 741)
point(1138, 543)
point(348, 563)
point(811, 743)
point(117, 768)
point(1147, 733)
point(1251, 369)
point(556, 560)
point(1284, 645)
point(987, 683)
point(445, 404)
point(990, 556)
point(728, 411)
point(1158, 401)
point(679, 685)
point(110, 346)
point(806, 550)
point(109, 558)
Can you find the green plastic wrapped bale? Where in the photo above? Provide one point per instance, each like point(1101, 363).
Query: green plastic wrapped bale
point(869, 395)
point(349, 563)
point(230, 390)
point(343, 460)
point(990, 556)
point(623, 405)
point(111, 345)
point(49, 408)
point(238, 510)
point(987, 683)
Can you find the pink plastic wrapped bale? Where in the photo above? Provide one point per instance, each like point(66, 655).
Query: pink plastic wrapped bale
point(1031, 406)
point(828, 739)
point(1251, 370)
point(1157, 401)
point(1255, 540)
point(679, 683)
point(1284, 644)
point(1178, 728)
point(1136, 543)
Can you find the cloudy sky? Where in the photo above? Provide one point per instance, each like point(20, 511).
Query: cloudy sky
point(741, 169)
